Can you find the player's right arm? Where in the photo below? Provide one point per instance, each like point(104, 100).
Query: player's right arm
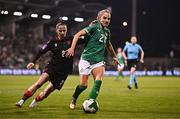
point(70, 51)
point(86, 31)
point(42, 51)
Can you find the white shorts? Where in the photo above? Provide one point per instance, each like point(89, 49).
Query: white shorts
point(121, 66)
point(85, 67)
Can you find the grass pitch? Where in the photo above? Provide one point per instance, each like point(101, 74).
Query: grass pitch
point(156, 98)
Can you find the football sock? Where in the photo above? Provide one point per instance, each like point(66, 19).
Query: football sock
point(120, 74)
point(27, 94)
point(38, 98)
point(79, 90)
point(132, 77)
point(135, 80)
point(95, 90)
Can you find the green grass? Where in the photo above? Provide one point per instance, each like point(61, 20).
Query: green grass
point(156, 98)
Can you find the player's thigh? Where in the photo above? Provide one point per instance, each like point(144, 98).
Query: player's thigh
point(98, 72)
point(120, 67)
point(43, 78)
point(132, 70)
point(84, 67)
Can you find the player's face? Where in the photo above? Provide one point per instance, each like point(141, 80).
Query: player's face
point(61, 31)
point(105, 19)
point(119, 49)
point(133, 40)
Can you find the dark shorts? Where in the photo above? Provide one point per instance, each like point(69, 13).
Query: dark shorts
point(132, 63)
point(55, 77)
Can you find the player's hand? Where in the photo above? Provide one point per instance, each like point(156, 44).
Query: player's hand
point(141, 60)
point(125, 62)
point(70, 52)
point(116, 62)
point(30, 65)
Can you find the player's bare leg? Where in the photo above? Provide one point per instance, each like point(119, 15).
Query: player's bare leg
point(32, 89)
point(44, 94)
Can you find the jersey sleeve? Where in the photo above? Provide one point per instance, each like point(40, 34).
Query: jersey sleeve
point(125, 48)
point(90, 29)
point(140, 48)
point(42, 51)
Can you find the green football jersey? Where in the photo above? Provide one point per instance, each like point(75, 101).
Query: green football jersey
point(120, 58)
point(97, 38)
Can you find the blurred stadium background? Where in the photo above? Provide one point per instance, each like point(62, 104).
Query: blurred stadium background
point(27, 24)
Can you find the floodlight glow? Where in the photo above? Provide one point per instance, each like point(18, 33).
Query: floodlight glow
point(4, 12)
point(78, 19)
point(65, 18)
point(46, 16)
point(125, 23)
point(17, 13)
point(34, 15)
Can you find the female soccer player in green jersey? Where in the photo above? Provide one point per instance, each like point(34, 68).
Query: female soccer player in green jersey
point(120, 66)
point(92, 58)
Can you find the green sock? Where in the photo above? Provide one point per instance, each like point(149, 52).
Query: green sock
point(95, 90)
point(120, 74)
point(79, 90)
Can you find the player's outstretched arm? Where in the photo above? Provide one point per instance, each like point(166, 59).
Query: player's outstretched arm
point(70, 51)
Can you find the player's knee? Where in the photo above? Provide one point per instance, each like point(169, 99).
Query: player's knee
point(84, 83)
point(83, 87)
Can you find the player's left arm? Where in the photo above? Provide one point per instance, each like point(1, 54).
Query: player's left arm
point(124, 55)
point(142, 55)
point(112, 52)
point(42, 51)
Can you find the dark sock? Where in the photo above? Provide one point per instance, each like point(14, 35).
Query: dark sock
point(79, 90)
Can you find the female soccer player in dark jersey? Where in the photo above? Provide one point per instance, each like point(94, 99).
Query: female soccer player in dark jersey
point(56, 71)
point(92, 58)
point(131, 55)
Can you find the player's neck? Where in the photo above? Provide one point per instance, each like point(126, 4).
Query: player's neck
point(60, 38)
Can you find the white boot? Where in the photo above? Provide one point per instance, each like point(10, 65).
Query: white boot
point(33, 104)
point(72, 103)
point(20, 103)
